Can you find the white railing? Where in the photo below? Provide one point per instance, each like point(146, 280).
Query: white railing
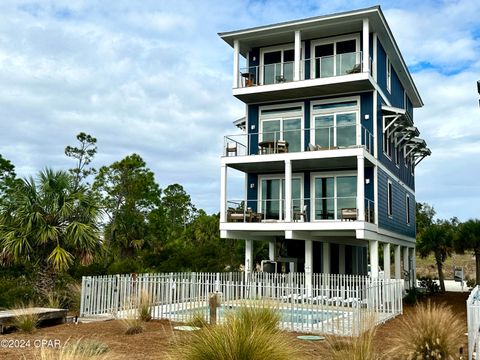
point(334, 304)
point(319, 67)
point(473, 322)
point(299, 140)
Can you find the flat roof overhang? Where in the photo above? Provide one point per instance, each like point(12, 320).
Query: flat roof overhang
point(338, 159)
point(351, 83)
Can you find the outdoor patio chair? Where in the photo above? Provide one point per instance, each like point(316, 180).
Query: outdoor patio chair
point(231, 149)
point(300, 215)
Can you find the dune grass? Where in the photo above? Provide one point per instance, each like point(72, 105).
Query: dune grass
point(431, 332)
point(247, 333)
point(24, 320)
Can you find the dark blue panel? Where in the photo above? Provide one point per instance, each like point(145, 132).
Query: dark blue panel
point(307, 124)
point(252, 192)
point(307, 59)
point(369, 193)
point(398, 221)
point(253, 133)
point(306, 190)
point(366, 108)
point(381, 67)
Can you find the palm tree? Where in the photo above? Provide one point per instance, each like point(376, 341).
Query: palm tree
point(468, 238)
point(437, 239)
point(50, 222)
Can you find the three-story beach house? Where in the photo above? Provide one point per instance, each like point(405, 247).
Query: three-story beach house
point(328, 146)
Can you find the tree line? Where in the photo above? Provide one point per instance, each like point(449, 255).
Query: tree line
point(442, 237)
point(62, 224)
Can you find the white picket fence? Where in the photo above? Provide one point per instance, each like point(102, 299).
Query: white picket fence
point(473, 322)
point(337, 304)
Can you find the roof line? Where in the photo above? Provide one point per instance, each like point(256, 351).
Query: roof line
point(298, 21)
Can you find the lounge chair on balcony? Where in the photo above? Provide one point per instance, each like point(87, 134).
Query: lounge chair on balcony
point(356, 69)
point(282, 146)
point(349, 214)
point(231, 149)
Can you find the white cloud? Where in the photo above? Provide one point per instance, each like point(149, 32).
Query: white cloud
point(154, 78)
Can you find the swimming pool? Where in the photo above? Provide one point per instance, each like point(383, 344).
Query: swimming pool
point(287, 314)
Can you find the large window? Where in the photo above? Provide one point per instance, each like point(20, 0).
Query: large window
point(407, 208)
point(333, 57)
point(334, 193)
point(335, 123)
point(389, 74)
point(282, 123)
point(272, 197)
point(277, 65)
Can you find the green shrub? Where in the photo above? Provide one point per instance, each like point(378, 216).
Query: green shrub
point(239, 339)
point(413, 296)
point(429, 284)
point(431, 332)
point(24, 320)
point(14, 290)
point(198, 319)
point(125, 266)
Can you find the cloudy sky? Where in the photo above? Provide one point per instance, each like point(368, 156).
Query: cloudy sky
point(153, 77)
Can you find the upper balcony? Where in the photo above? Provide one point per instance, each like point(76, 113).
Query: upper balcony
point(317, 76)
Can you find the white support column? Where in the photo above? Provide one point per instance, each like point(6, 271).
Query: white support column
point(248, 258)
point(366, 46)
point(326, 257)
point(361, 187)
point(271, 250)
point(341, 259)
point(375, 192)
point(386, 260)
point(297, 57)
point(373, 249)
point(414, 265)
point(405, 265)
point(236, 63)
point(288, 191)
point(308, 266)
point(398, 260)
point(223, 194)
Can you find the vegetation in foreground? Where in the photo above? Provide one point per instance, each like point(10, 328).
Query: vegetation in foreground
point(431, 332)
point(248, 333)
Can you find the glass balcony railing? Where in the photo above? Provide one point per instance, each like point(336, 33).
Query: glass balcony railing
point(320, 67)
point(340, 208)
point(299, 140)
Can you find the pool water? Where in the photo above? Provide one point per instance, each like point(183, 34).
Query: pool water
point(294, 315)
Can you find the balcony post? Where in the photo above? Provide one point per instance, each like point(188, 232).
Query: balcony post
point(248, 259)
point(405, 265)
point(288, 191)
point(366, 46)
point(236, 63)
point(326, 257)
point(271, 250)
point(373, 249)
point(386, 260)
point(308, 266)
point(223, 193)
point(398, 256)
point(414, 265)
point(297, 52)
point(361, 187)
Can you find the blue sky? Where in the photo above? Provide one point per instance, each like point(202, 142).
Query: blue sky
point(153, 77)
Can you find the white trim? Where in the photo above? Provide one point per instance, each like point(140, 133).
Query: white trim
point(321, 175)
point(334, 112)
point(331, 40)
point(280, 177)
point(394, 177)
point(374, 61)
point(389, 199)
point(282, 49)
point(388, 73)
point(375, 124)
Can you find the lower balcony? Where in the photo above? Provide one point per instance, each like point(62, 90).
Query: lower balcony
point(315, 210)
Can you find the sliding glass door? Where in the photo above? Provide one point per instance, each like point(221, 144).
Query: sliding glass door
point(332, 194)
point(272, 197)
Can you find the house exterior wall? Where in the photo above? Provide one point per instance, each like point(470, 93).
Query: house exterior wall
point(397, 222)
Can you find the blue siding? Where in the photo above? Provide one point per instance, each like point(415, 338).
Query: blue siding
point(252, 193)
point(253, 120)
point(369, 193)
point(398, 221)
point(401, 171)
point(366, 108)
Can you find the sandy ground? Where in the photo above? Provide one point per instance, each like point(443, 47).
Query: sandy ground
point(159, 337)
